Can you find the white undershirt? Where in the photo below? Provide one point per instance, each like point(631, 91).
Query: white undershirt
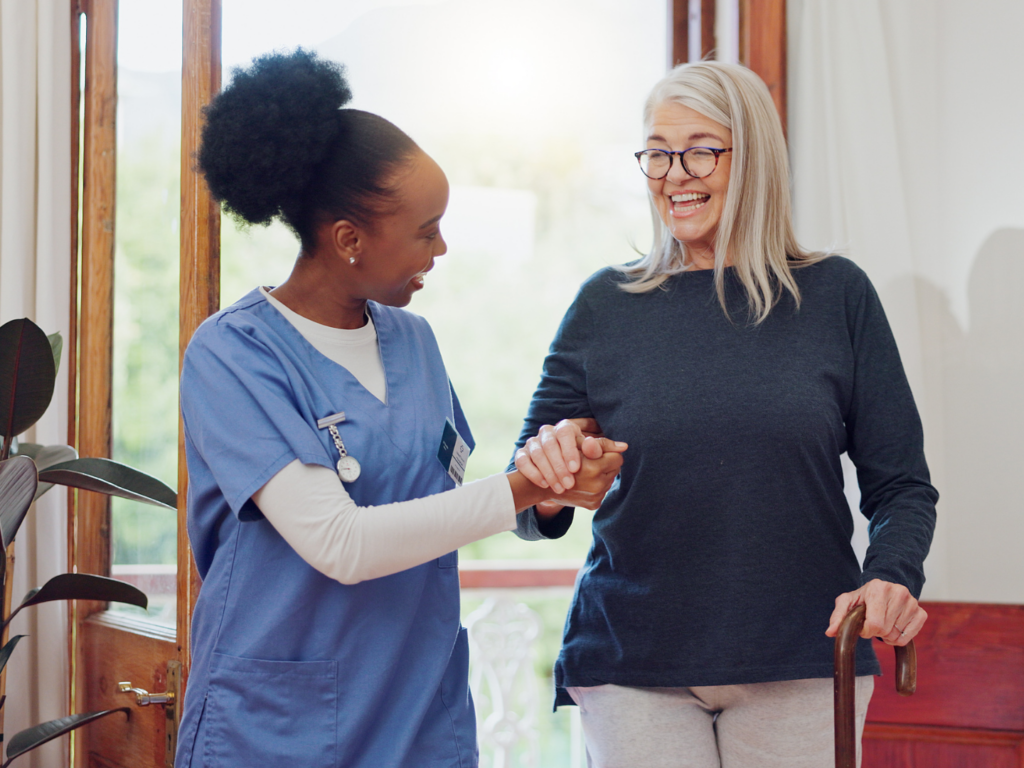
point(355, 350)
point(309, 506)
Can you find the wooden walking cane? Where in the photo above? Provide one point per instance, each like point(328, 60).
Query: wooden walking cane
point(845, 680)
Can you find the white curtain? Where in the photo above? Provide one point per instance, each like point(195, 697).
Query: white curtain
point(35, 241)
point(904, 129)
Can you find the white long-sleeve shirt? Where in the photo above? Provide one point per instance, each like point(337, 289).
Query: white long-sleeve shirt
point(309, 506)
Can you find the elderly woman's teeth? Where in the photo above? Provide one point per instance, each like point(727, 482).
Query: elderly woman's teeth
point(689, 200)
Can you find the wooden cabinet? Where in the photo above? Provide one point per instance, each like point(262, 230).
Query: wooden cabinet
point(969, 707)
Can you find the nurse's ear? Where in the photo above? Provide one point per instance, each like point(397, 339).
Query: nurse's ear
point(346, 240)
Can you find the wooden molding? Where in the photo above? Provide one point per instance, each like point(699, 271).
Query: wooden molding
point(935, 734)
point(75, 76)
point(89, 519)
point(200, 254)
point(95, 329)
point(763, 46)
point(679, 24)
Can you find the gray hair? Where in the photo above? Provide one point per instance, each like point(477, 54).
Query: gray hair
point(756, 229)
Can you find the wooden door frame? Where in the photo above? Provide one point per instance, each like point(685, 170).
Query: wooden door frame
point(93, 631)
point(762, 39)
point(763, 46)
point(682, 15)
point(200, 254)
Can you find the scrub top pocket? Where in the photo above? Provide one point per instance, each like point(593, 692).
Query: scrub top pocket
point(271, 713)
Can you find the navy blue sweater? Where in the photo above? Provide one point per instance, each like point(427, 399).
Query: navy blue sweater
point(720, 550)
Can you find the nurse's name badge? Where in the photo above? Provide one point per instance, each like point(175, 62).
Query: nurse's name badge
point(453, 452)
point(348, 467)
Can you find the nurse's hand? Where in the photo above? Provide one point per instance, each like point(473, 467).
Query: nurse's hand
point(552, 458)
point(893, 615)
point(593, 479)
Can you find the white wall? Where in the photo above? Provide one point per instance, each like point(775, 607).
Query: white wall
point(908, 153)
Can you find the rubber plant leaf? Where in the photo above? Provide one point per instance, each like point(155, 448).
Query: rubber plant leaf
point(27, 376)
point(111, 478)
point(18, 483)
point(30, 738)
point(18, 448)
point(82, 586)
point(7, 650)
point(46, 456)
point(56, 346)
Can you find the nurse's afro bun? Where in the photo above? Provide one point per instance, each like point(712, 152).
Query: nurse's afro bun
point(277, 144)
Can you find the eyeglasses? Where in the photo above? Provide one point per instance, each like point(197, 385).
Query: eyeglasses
point(698, 162)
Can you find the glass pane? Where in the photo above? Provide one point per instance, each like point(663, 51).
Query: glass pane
point(145, 401)
point(533, 110)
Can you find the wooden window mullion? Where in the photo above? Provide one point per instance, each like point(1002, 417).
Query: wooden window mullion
point(200, 251)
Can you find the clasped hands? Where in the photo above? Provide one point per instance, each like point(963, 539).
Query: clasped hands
point(573, 461)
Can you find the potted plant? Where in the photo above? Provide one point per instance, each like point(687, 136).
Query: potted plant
point(29, 360)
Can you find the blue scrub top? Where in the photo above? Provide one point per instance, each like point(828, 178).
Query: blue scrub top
point(290, 667)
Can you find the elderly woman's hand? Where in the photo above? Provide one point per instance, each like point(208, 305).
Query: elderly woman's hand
point(552, 458)
point(893, 615)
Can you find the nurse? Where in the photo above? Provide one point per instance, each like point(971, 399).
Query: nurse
point(325, 450)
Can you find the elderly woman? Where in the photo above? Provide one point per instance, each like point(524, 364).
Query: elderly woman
point(738, 367)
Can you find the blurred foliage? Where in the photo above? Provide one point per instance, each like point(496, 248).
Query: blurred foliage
point(145, 413)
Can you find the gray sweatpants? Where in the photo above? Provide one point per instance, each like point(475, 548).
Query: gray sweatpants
point(763, 725)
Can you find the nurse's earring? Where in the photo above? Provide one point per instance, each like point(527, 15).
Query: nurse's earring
point(352, 260)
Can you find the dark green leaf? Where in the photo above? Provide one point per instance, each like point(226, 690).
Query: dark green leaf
point(18, 448)
point(30, 738)
point(86, 586)
point(18, 484)
point(83, 586)
point(112, 478)
point(57, 346)
point(27, 375)
point(7, 650)
point(46, 456)
point(30, 594)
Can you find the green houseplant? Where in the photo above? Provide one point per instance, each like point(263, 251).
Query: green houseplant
point(29, 360)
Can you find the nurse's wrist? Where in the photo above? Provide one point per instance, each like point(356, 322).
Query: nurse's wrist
point(524, 493)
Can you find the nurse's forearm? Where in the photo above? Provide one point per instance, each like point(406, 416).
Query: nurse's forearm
point(310, 508)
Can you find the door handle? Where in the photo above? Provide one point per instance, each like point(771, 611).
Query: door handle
point(169, 700)
point(145, 698)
